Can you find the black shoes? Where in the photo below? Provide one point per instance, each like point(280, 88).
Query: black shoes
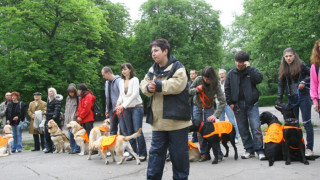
point(48, 151)
point(94, 152)
point(143, 158)
point(35, 150)
point(130, 158)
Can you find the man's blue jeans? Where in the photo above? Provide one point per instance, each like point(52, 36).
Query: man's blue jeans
point(201, 114)
point(133, 121)
point(305, 106)
point(177, 141)
point(114, 121)
point(17, 139)
point(248, 116)
point(227, 110)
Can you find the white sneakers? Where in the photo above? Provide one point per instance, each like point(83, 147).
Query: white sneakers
point(309, 152)
point(262, 157)
point(247, 155)
point(126, 154)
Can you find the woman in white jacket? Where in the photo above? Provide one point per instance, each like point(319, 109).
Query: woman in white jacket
point(130, 103)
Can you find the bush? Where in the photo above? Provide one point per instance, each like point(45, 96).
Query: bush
point(269, 100)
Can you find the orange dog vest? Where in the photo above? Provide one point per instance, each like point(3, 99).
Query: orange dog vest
point(274, 133)
point(192, 145)
point(222, 127)
point(84, 136)
point(107, 142)
point(3, 141)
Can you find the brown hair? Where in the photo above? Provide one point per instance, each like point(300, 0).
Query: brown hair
point(287, 70)
point(315, 56)
point(15, 93)
point(130, 67)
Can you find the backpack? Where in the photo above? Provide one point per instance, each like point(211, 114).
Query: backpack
point(96, 110)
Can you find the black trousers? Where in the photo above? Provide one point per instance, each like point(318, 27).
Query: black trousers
point(37, 141)
point(88, 126)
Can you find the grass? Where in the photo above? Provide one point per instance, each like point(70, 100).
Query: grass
point(27, 144)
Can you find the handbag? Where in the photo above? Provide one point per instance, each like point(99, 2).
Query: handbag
point(23, 125)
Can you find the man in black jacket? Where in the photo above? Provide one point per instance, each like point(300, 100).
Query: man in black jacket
point(242, 96)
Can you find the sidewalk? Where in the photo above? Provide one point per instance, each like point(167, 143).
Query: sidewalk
point(37, 165)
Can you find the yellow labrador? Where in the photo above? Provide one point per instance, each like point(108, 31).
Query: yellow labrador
point(119, 144)
point(6, 141)
point(95, 134)
point(194, 153)
point(80, 136)
point(58, 137)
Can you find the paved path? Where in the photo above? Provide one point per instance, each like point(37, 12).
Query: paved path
point(37, 165)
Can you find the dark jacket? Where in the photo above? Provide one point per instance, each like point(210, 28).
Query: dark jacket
point(54, 108)
point(291, 83)
point(251, 77)
point(19, 111)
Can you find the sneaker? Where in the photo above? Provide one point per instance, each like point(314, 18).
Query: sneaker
point(126, 154)
point(108, 154)
point(262, 156)
point(309, 152)
point(247, 155)
point(44, 150)
point(236, 141)
point(204, 158)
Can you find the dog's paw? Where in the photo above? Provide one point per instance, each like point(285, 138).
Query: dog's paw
point(119, 163)
point(107, 162)
point(271, 163)
point(306, 162)
point(138, 163)
point(288, 163)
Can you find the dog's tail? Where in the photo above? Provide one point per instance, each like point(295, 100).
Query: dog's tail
point(135, 135)
point(4, 155)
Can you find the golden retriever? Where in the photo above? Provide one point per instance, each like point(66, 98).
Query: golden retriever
point(194, 153)
point(120, 144)
point(58, 137)
point(96, 133)
point(6, 141)
point(80, 136)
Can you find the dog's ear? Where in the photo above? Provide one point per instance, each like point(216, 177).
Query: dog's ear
point(264, 116)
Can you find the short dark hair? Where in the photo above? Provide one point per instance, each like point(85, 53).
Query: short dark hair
point(106, 69)
point(130, 67)
point(163, 44)
point(241, 56)
point(194, 71)
point(15, 93)
point(84, 89)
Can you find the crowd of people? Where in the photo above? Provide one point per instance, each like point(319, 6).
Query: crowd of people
point(174, 102)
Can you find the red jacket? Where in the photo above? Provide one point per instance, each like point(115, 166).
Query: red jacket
point(85, 108)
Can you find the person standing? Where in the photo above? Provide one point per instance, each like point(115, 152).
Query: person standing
point(85, 115)
point(53, 113)
point(15, 114)
point(3, 108)
point(242, 96)
point(70, 114)
point(37, 105)
point(193, 76)
point(112, 94)
point(168, 113)
point(227, 110)
point(130, 103)
point(294, 76)
point(204, 90)
point(314, 76)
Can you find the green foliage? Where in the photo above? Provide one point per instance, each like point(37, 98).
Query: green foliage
point(267, 27)
point(265, 101)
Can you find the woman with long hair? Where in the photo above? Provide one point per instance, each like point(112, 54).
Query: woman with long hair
point(314, 75)
point(53, 112)
point(85, 115)
point(294, 76)
point(15, 114)
point(204, 90)
point(130, 103)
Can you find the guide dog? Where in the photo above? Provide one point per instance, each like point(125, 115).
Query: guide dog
point(118, 144)
point(294, 148)
point(58, 137)
point(6, 141)
point(95, 134)
point(273, 141)
point(80, 136)
point(216, 132)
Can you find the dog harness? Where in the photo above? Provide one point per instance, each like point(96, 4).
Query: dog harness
point(192, 145)
point(274, 133)
point(292, 127)
point(3, 141)
point(103, 129)
point(202, 97)
point(84, 136)
point(107, 142)
point(222, 127)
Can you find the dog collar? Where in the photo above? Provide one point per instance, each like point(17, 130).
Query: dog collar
point(200, 126)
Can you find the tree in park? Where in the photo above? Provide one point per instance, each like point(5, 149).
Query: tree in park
point(191, 26)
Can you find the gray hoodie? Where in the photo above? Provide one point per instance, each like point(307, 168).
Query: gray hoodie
point(114, 92)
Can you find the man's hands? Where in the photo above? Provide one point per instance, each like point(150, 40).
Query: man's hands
point(152, 86)
point(212, 118)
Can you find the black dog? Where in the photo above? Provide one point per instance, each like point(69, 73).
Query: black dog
point(273, 142)
point(216, 132)
point(294, 148)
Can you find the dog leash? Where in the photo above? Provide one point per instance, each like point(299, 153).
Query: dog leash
point(202, 97)
point(298, 90)
point(118, 115)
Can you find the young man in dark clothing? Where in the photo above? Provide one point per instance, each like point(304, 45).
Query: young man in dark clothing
point(242, 96)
